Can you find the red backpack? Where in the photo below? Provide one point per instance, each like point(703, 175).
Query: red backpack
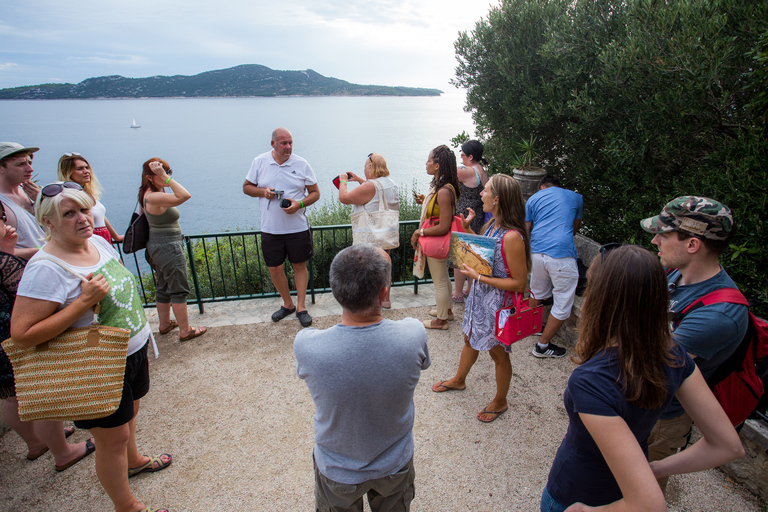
point(740, 381)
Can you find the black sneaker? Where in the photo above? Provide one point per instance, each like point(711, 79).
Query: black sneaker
point(552, 350)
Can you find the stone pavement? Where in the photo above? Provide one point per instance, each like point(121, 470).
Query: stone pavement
point(254, 311)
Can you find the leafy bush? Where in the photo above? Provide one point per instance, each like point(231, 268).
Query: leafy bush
point(632, 103)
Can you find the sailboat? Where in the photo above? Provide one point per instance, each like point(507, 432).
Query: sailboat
point(135, 124)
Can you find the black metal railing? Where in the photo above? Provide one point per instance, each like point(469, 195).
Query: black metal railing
point(228, 266)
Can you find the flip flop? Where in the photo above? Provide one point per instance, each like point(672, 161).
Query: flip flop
point(437, 387)
point(89, 449)
point(460, 298)
point(154, 510)
point(171, 327)
point(150, 466)
point(496, 414)
point(68, 431)
point(433, 312)
point(196, 331)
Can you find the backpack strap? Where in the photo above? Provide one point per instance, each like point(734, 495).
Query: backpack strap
point(730, 295)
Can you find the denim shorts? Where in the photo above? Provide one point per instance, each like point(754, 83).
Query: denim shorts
point(548, 503)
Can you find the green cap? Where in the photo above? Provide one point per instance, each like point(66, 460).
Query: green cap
point(693, 215)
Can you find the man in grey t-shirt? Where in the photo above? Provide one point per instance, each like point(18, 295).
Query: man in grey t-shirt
point(361, 374)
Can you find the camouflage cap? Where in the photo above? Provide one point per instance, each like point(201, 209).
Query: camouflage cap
point(693, 215)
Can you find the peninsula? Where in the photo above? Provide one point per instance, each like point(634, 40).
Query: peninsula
point(240, 81)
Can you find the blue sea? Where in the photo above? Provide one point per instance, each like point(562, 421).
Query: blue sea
point(210, 143)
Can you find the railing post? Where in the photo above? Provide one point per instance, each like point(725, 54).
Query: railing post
point(195, 281)
point(311, 280)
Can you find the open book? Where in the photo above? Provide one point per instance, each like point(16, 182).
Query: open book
point(476, 251)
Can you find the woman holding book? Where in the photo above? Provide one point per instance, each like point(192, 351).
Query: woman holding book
point(511, 261)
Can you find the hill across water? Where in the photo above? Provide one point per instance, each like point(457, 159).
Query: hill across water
point(241, 81)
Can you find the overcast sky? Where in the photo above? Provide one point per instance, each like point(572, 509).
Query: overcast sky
point(383, 42)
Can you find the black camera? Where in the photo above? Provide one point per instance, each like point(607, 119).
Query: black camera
point(285, 203)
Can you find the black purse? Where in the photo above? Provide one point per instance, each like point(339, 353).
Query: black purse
point(137, 235)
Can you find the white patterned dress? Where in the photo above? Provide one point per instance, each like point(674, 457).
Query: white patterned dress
point(484, 300)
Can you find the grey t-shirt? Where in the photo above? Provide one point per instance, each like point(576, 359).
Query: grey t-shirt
point(362, 381)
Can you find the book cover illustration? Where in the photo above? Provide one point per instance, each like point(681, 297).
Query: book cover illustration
point(476, 251)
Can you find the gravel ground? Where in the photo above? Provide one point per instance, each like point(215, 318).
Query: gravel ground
point(238, 421)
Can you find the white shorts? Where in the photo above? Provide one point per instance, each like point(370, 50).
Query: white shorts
point(556, 278)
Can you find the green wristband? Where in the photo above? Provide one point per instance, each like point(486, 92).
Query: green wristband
point(168, 180)
point(301, 203)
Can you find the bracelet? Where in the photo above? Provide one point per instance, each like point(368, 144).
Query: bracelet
point(168, 180)
point(421, 232)
point(301, 203)
point(480, 278)
point(342, 181)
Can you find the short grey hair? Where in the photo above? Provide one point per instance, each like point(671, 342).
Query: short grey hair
point(357, 275)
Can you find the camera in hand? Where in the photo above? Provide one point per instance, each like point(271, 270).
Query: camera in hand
point(285, 203)
point(336, 181)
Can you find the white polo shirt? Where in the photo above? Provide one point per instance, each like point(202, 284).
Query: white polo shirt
point(293, 177)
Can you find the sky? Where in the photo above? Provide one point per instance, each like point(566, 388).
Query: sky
point(381, 42)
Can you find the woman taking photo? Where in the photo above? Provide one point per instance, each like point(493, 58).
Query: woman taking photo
point(366, 196)
point(53, 298)
point(472, 179)
point(439, 205)
point(40, 436)
point(165, 249)
point(630, 369)
point(511, 261)
point(74, 167)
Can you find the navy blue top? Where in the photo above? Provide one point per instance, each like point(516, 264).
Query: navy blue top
point(579, 472)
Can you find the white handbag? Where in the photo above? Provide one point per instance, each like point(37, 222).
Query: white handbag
point(381, 228)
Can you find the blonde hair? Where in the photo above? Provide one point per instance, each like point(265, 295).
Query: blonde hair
point(378, 166)
point(49, 208)
point(67, 166)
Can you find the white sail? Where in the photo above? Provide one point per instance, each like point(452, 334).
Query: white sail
point(135, 124)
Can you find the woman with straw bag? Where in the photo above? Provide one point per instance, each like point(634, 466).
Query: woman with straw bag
point(373, 192)
point(62, 283)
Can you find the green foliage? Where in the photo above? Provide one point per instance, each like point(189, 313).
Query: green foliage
point(459, 139)
point(632, 103)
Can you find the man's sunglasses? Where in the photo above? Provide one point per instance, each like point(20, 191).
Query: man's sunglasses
point(55, 189)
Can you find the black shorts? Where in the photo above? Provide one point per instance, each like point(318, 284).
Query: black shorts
point(135, 386)
point(297, 247)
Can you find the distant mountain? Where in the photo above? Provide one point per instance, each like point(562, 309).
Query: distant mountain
point(245, 80)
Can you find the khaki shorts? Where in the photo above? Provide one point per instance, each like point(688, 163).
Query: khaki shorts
point(667, 438)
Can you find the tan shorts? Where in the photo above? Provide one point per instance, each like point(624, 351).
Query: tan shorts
point(667, 438)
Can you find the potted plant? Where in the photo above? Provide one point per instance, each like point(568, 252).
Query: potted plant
point(525, 157)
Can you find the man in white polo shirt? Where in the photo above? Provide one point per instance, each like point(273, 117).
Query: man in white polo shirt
point(275, 177)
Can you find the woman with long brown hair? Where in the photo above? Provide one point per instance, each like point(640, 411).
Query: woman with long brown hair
point(440, 205)
point(629, 371)
point(165, 248)
point(511, 261)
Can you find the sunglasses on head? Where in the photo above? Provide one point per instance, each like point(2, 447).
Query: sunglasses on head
point(607, 248)
point(369, 157)
point(55, 189)
point(72, 154)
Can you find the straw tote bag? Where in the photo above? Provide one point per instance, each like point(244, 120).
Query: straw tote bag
point(78, 375)
point(381, 228)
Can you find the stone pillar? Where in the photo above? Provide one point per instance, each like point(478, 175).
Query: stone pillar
point(529, 180)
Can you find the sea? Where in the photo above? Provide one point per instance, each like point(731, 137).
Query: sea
point(211, 142)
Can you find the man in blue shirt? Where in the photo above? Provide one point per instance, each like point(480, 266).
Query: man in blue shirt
point(691, 233)
point(552, 216)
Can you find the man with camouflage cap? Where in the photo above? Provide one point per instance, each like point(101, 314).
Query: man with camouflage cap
point(691, 233)
point(18, 194)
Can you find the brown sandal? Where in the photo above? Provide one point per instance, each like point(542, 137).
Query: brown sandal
point(193, 333)
point(170, 327)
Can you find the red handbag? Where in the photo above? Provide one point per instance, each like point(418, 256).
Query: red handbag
point(437, 246)
point(519, 320)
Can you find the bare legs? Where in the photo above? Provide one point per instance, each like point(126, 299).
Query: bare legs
point(117, 451)
point(553, 325)
point(503, 367)
point(280, 282)
point(39, 434)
